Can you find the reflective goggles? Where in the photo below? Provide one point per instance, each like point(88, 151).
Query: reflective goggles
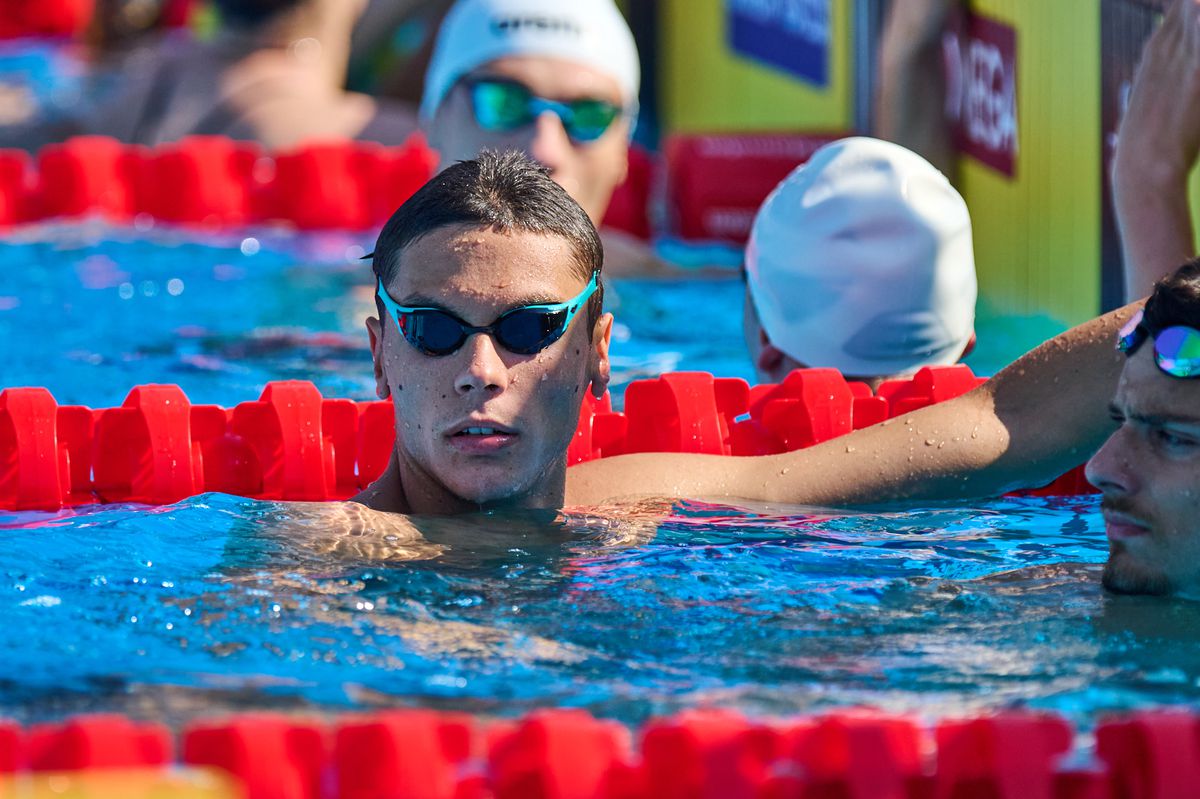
point(1176, 349)
point(524, 330)
point(502, 105)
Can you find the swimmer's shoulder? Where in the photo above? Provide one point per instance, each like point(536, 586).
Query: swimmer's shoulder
point(382, 496)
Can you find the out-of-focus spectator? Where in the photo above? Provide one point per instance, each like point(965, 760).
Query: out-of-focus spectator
point(392, 45)
point(1157, 146)
point(119, 25)
point(273, 73)
point(860, 260)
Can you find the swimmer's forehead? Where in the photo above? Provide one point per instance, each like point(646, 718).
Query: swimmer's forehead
point(465, 265)
point(556, 78)
point(1145, 394)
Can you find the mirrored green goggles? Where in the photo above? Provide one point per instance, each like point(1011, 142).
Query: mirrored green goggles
point(1176, 349)
point(503, 105)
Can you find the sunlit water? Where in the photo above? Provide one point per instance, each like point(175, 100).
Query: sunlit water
point(224, 602)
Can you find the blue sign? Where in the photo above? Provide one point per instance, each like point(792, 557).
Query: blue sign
point(792, 35)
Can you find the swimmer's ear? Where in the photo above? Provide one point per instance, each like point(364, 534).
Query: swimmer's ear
point(375, 332)
point(769, 358)
point(601, 368)
point(967, 350)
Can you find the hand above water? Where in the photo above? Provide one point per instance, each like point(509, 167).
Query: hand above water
point(919, 23)
point(1157, 145)
point(909, 108)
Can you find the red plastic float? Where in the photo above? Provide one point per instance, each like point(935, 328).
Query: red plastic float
point(1152, 755)
point(273, 757)
point(97, 742)
point(53, 18)
point(208, 180)
point(408, 753)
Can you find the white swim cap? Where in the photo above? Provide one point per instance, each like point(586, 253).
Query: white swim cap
point(590, 32)
point(861, 260)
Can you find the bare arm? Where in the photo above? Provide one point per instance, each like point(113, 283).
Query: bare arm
point(909, 107)
point(1157, 145)
point(1042, 415)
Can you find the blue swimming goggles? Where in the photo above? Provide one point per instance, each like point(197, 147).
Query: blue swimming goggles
point(1176, 349)
point(524, 330)
point(501, 105)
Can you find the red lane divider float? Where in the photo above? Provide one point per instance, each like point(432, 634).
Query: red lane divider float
point(41, 18)
point(213, 181)
point(707, 754)
point(294, 444)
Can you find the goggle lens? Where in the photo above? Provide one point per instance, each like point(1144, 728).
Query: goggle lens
point(432, 331)
point(526, 330)
point(1177, 351)
point(501, 106)
point(589, 119)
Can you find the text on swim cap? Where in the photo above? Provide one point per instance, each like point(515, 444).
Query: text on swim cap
point(508, 25)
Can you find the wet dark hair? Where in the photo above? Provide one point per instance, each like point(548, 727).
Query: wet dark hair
point(504, 192)
point(252, 12)
point(1175, 300)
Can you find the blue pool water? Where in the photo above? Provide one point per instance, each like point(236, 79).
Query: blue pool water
point(224, 602)
point(219, 602)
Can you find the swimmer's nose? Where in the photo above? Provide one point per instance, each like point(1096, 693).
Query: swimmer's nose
point(484, 369)
point(551, 146)
point(1112, 469)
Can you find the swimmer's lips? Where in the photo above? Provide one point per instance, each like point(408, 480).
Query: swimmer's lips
point(1123, 527)
point(481, 437)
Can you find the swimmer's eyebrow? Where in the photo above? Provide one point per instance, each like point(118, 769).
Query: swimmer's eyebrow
point(425, 301)
point(1155, 419)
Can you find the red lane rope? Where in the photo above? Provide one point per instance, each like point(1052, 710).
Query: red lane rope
point(568, 754)
point(293, 444)
point(213, 181)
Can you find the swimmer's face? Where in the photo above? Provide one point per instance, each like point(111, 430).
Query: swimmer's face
point(589, 171)
point(531, 402)
point(1149, 471)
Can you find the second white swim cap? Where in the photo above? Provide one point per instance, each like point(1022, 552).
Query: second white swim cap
point(861, 260)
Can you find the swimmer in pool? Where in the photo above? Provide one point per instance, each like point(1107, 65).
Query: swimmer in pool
point(491, 329)
point(860, 260)
point(557, 81)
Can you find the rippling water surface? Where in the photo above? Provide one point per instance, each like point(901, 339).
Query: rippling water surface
point(221, 601)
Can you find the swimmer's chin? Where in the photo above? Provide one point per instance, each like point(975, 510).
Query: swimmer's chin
point(1122, 575)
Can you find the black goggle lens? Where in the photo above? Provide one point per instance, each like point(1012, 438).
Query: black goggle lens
point(526, 331)
point(432, 332)
point(523, 331)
